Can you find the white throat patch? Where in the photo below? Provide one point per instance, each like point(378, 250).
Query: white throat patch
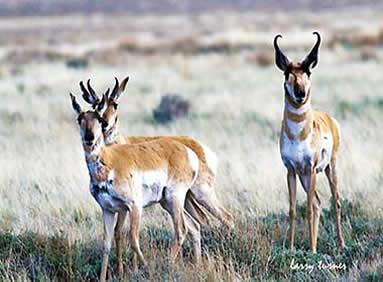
point(96, 149)
point(110, 135)
point(289, 90)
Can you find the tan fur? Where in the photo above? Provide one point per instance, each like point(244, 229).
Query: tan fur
point(317, 125)
point(307, 139)
point(130, 177)
point(204, 174)
point(323, 123)
point(204, 185)
point(166, 154)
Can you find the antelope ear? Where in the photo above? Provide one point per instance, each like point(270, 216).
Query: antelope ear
point(101, 106)
point(281, 60)
point(313, 57)
point(76, 106)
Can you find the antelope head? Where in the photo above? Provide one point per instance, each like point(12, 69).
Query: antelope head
point(297, 83)
point(110, 115)
point(90, 123)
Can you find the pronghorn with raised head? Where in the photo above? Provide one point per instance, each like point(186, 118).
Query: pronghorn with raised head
point(127, 178)
point(202, 192)
point(309, 141)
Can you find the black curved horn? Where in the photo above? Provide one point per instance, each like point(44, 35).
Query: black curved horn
point(92, 92)
point(312, 58)
point(107, 94)
point(76, 106)
point(115, 90)
point(280, 59)
point(85, 93)
point(100, 106)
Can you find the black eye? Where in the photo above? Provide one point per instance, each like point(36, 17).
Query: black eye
point(79, 119)
point(104, 124)
point(115, 106)
point(286, 73)
point(307, 71)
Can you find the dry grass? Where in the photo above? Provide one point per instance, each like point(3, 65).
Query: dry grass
point(263, 58)
point(236, 109)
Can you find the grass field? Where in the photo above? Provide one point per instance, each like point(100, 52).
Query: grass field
point(50, 226)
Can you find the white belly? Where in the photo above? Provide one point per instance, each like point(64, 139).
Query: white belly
point(299, 155)
point(151, 185)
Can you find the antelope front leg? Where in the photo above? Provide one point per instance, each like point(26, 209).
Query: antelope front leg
point(118, 239)
point(333, 181)
point(134, 234)
point(308, 183)
point(109, 223)
point(292, 184)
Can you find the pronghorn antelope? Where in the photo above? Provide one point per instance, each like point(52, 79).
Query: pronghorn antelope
point(202, 192)
point(309, 141)
point(127, 178)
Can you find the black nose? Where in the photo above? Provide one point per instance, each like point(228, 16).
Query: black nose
point(89, 136)
point(300, 93)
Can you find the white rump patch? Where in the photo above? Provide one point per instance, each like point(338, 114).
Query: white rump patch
point(338, 127)
point(194, 163)
point(211, 159)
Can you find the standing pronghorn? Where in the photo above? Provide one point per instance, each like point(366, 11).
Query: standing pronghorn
point(127, 178)
point(309, 141)
point(202, 192)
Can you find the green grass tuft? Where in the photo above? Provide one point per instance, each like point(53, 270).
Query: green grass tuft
point(255, 249)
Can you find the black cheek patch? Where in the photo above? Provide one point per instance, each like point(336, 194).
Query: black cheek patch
point(286, 74)
point(79, 118)
point(104, 124)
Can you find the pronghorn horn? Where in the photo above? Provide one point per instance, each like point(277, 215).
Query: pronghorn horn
point(76, 106)
point(118, 89)
point(107, 94)
point(312, 58)
point(85, 94)
point(93, 94)
point(114, 94)
point(123, 85)
point(280, 59)
point(100, 106)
